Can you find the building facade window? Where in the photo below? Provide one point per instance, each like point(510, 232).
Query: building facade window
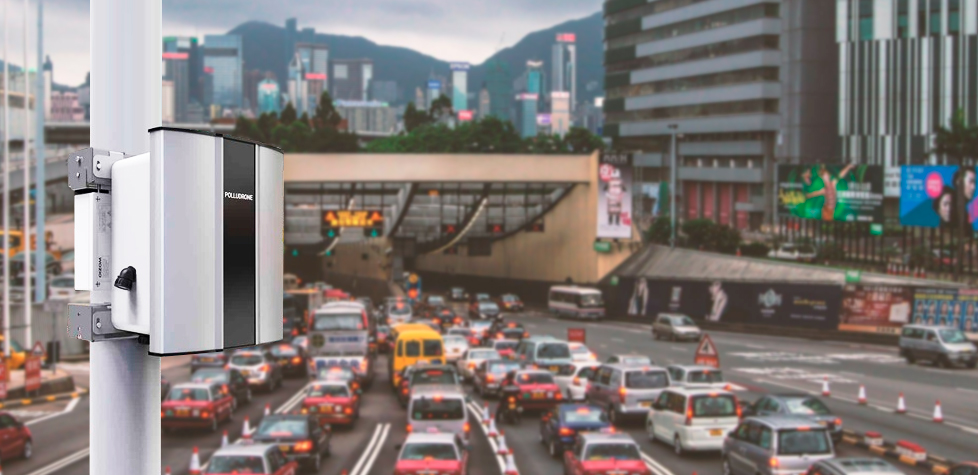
point(650, 8)
point(727, 78)
point(719, 20)
point(866, 20)
point(903, 19)
point(725, 48)
point(698, 110)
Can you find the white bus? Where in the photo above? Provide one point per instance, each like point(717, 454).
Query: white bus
point(577, 302)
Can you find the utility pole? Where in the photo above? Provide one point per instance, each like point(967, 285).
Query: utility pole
point(6, 182)
point(126, 48)
point(40, 258)
point(672, 188)
point(26, 190)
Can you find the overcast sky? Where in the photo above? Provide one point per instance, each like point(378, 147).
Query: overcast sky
point(465, 30)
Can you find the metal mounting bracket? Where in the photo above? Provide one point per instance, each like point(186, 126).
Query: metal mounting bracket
point(91, 169)
point(93, 322)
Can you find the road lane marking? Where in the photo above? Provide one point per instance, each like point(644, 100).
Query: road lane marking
point(619, 340)
point(477, 413)
point(655, 466)
point(753, 346)
point(967, 390)
point(69, 460)
point(369, 455)
point(70, 407)
point(677, 348)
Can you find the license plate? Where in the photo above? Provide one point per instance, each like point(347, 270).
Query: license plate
point(207, 360)
point(283, 362)
point(537, 395)
point(284, 448)
point(183, 412)
point(824, 423)
point(645, 403)
point(716, 432)
point(245, 373)
point(554, 369)
point(327, 409)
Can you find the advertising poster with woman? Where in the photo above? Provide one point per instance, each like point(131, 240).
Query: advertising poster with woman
point(956, 308)
point(938, 196)
point(615, 196)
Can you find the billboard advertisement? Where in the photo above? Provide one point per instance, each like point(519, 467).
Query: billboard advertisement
point(459, 66)
point(957, 308)
point(875, 308)
point(615, 196)
point(753, 303)
point(844, 193)
point(933, 196)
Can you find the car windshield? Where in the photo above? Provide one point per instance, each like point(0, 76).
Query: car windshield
point(437, 408)
point(553, 350)
point(484, 355)
point(803, 442)
point(636, 360)
point(601, 452)
point(806, 406)
point(333, 322)
point(206, 375)
point(249, 359)
point(480, 325)
point(682, 321)
point(432, 347)
point(328, 390)
point(432, 376)
point(236, 464)
point(591, 301)
point(428, 451)
point(454, 339)
point(585, 415)
point(510, 298)
point(383, 329)
point(436, 300)
point(284, 350)
point(189, 394)
point(289, 426)
point(705, 376)
point(463, 332)
point(535, 378)
point(480, 297)
point(647, 379)
point(505, 345)
point(714, 406)
point(488, 307)
point(503, 368)
point(952, 336)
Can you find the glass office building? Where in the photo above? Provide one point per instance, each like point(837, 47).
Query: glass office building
point(223, 55)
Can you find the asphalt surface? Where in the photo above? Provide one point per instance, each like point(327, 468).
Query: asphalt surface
point(756, 364)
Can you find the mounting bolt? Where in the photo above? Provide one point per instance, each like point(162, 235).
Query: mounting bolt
point(98, 165)
point(98, 323)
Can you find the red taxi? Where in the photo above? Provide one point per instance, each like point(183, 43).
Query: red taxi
point(596, 453)
point(429, 453)
point(251, 458)
point(538, 389)
point(332, 402)
point(17, 438)
point(196, 405)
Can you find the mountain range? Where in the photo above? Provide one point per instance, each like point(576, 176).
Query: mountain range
point(264, 46)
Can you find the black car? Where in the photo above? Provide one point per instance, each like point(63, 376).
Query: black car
point(232, 378)
point(499, 326)
point(383, 338)
point(299, 436)
point(291, 358)
point(445, 317)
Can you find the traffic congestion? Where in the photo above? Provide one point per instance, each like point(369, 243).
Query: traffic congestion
point(473, 383)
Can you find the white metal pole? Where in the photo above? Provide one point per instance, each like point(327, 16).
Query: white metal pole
point(40, 257)
point(6, 182)
point(28, 341)
point(672, 190)
point(126, 47)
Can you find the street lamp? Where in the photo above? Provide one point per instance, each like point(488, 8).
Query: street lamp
point(672, 188)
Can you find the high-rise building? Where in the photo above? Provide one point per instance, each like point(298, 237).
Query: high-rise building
point(419, 101)
point(484, 102)
point(351, 79)
point(385, 91)
point(373, 117)
point(65, 107)
point(223, 54)
point(528, 115)
point(906, 67)
point(745, 83)
point(433, 92)
point(168, 97)
point(176, 69)
point(308, 76)
point(207, 87)
point(560, 113)
point(500, 86)
point(269, 97)
point(195, 62)
point(460, 86)
point(250, 83)
point(564, 66)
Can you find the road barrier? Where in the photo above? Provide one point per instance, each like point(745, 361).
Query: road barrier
point(905, 452)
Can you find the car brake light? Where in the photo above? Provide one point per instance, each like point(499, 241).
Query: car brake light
point(363, 365)
point(295, 332)
point(408, 429)
point(565, 432)
point(265, 368)
point(405, 391)
point(774, 462)
point(689, 412)
point(348, 410)
point(577, 381)
point(558, 395)
point(466, 427)
point(205, 415)
point(838, 422)
point(740, 409)
point(161, 414)
point(526, 334)
point(303, 446)
point(490, 378)
point(622, 392)
point(296, 360)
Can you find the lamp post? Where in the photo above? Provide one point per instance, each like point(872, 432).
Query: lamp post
point(672, 188)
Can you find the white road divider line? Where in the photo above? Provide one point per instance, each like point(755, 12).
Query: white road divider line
point(477, 415)
point(655, 466)
point(619, 340)
point(70, 407)
point(369, 455)
point(65, 462)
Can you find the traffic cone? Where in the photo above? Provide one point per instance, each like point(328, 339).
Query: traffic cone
point(166, 470)
point(862, 394)
point(246, 429)
point(224, 439)
point(503, 450)
point(901, 405)
point(493, 432)
point(268, 409)
point(826, 391)
point(195, 463)
point(511, 464)
point(938, 415)
point(485, 414)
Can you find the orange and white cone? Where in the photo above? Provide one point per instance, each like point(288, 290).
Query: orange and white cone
point(826, 391)
point(246, 429)
point(268, 409)
point(501, 440)
point(493, 432)
point(166, 470)
point(195, 463)
point(862, 394)
point(224, 439)
point(901, 405)
point(511, 464)
point(938, 415)
point(485, 414)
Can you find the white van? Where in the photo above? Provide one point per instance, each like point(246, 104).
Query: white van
point(438, 408)
point(576, 302)
point(693, 419)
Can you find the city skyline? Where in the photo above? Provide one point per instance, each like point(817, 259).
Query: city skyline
point(467, 30)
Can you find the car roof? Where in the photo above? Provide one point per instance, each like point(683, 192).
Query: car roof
point(786, 422)
point(341, 306)
point(534, 371)
point(429, 390)
point(591, 437)
point(443, 367)
point(329, 382)
point(503, 340)
point(244, 449)
point(546, 338)
point(633, 367)
point(200, 385)
point(576, 406)
point(791, 396)
point(698, 391)
point(693, 367)
point(929, 327)
point(438, 437)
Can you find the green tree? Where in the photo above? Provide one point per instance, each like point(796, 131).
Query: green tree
point(413, 118)
point(581, 140)
point(326, 115)
point(266, 122)
point(288, 115)
point(660, 231)
point(544, 144)
point(959, 142)
point(247, 129)
point(441, 108)
point(699, 233)
point(725, 239)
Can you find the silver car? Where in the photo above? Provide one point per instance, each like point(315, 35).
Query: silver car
point(438, 408)
point(626, 391)
point(775, 446)
point(799, 405)
point(697, 376)
point(258, 367)
point(455, 346)
point(675, 326)
point(943, 346)
point(853, 466)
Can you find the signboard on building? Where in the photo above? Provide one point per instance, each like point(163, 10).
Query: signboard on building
point(956, 308)
point(526, 96)
point(566, 37)
point(891, 182)
point(615, 196)
point(465, 116)
point(352, 219)
point(938, 196)
point(543, 119)
point(459, 66)
point(315, 76)
point(434, 84)
point(875, 308)
point(844, 193)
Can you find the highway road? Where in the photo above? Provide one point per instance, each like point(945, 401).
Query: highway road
point(756, 364)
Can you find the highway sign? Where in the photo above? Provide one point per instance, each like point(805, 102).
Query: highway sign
point(578, 335)
point(352, 219)
point(706, 353)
